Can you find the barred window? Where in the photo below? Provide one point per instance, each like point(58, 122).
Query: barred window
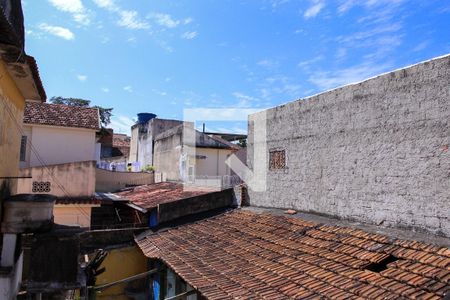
point(41, 187)
point(277, 159)
point(23, 148)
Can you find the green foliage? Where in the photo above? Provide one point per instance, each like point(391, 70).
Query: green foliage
point(70, 101)
point(105, 113)
point(242, 143)
point(148, 168)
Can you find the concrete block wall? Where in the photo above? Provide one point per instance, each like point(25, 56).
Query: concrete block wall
point(375, 151)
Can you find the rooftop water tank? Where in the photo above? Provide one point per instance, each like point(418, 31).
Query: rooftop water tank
point(145, 117)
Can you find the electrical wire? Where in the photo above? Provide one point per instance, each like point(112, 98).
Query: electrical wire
point(39, 158)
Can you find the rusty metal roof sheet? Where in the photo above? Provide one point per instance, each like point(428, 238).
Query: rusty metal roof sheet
point(149, 196)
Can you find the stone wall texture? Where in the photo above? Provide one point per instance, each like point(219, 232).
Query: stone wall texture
point(375, 151)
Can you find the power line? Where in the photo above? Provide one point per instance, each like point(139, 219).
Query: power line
point(39, 158)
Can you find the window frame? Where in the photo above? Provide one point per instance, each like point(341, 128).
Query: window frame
point(283, 157)
point(23, 148)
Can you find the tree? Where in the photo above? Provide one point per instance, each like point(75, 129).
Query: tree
point(70, 101)
point(242, 143)
point(105, 113)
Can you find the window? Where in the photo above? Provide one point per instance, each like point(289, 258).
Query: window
point(23, 148)
point(277, 159)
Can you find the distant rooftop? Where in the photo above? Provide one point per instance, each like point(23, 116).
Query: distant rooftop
point(61, 115)
point(150, 196)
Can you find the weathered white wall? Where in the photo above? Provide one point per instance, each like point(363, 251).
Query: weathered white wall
point(214, 163)
point(376, 151)
point(143, 136)
point(109, 181)
point(134, 144)
point(71, 179)
point(58, 145)
point(168, 156)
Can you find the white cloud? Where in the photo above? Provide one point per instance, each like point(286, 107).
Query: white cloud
point(161, 93)
point(326, 80)
point(366, 34)
point(107, 4)
point(346, 5)
point(165, 20)
point(121, 124)
point(164, 45)
point(74, 7)
point(188, 20)
point(268, 63)
point(341, 53)
point(105, 90)
point(82, 77)
point(130, 20)
point(218, 114)
point(127, 18)
point(307, 63)
point(132, 39)
point(58, 31)
point(276, 3)
point(314, 9)
point(244, 100)
point(128, 88)
point(189, 35)
point(33, 33)
point(421, 46)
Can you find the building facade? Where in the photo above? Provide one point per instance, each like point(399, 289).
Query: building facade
point(186, 154)
point(375, 151)
point(58, 134)
point(19, 80)
point(143, 135)
point(57, 156)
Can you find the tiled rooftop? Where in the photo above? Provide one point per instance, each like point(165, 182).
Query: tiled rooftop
point(61, 115)
point(149, 196)
point(247, 255)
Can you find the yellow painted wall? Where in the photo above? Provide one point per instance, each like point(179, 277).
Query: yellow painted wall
point(73, 215)
point(120, 263)
point(12, 105)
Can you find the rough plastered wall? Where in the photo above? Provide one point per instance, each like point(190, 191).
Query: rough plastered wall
point(75, 179)
point(376, 151)
point(168, 154)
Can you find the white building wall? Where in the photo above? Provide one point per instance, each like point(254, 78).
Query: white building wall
point(58, 145)
point(213, 164)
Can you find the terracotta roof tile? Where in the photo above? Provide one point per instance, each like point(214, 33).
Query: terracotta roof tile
point(244, 255)
point(61, 115)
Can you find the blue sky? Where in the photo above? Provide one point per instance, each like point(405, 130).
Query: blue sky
point(163, 56)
